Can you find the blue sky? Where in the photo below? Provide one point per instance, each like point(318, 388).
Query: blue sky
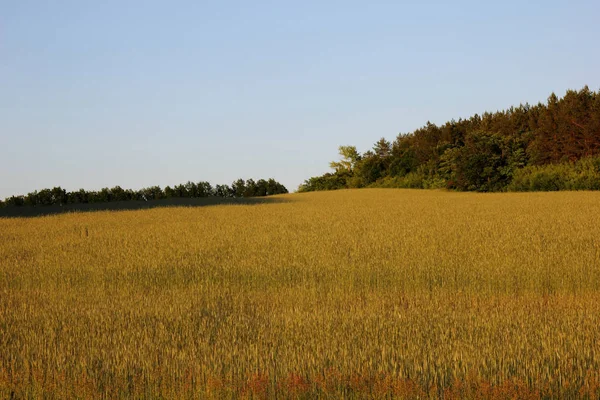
point(140, 93)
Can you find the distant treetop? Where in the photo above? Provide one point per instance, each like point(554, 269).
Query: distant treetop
point(58, 196)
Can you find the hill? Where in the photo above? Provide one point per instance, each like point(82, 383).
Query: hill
point(356, 293)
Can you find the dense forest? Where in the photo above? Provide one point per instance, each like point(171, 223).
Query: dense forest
point(552, 146)
point(59, 196)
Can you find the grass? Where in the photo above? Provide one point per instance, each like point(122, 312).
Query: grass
point(356, 293)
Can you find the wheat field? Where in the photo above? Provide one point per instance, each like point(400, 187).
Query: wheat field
point(373, 293)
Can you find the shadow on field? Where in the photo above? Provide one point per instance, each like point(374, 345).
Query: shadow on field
point(28, 211)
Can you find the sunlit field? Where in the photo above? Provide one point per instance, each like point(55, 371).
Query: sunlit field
point(355, 293)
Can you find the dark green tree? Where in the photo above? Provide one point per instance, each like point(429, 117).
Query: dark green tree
point(238, 188)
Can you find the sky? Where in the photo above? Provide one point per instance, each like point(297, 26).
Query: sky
point(139, 93)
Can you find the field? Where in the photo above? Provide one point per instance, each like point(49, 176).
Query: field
point(357, 293)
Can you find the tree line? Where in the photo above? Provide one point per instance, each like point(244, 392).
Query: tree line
point(60, 196)
point(551, 146)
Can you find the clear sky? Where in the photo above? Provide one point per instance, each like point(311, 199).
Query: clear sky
point(141, 93)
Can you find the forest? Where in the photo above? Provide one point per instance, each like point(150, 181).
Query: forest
point(543, 147)
point(59, 196)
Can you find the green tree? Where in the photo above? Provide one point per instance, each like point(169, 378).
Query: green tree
point(191, 189)
point(45, 197)
point(223, 191)
point(15, 201)
point(327, 181)
point(117, 193)
point(274, 187)
point(205, 189)
point(382, 148)
point(261, 188)
point(485, 163)
point(250, 188)
point(349, 159)
point(238, 188)
point(169, 192)
point(152, 193)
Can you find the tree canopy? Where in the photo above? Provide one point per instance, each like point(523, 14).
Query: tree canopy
point(59, 196)
point(482, 153)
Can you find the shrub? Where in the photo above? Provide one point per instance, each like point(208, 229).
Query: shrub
point(583, 174)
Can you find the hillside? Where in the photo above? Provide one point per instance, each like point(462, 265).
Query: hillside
point(353, 293)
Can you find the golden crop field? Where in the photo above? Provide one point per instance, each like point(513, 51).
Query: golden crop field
point(373, 293)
